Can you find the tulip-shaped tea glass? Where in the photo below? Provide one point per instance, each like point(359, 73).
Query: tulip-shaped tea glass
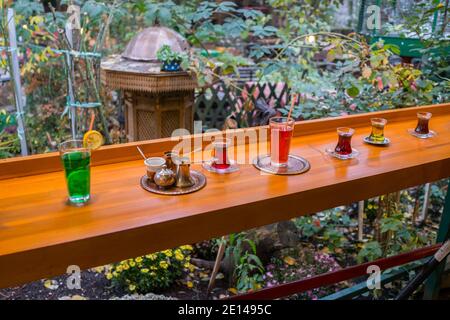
point(343, 149)
point(422, 129)
point(221, 160)
point(377, 135)
point(221, 163)
point(76, 160)
point(281, 130)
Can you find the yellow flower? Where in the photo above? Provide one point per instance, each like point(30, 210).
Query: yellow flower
point(109, 276)
point(151, 256)
point(179, 256)
point(126, 266)
point(168, 253)
point(189, 284)
point(119, 269)
point(233, 290)
point(132, 263)
point(153, 268)
point(163, 264)
point(289, 260)
point(132, 287)
point(186, 247)
point(115, 274)
point(145, 270)
point(189, 266)
point(138, 259)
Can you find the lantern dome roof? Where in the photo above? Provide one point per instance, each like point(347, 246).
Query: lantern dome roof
point(145, 45)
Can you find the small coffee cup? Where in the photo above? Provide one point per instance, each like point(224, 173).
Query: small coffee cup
point(153, 164)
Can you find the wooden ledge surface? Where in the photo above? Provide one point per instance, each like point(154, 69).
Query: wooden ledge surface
point(40, 236)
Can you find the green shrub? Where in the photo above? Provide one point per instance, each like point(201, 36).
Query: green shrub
point(152, 272)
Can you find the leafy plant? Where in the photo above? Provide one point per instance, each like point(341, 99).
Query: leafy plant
point(248, 268)
point(6, 138)
point(308, 226)
point(152, 272)
point(370, 251)
point(325, 228)
point(165, 54)
point(394, 230)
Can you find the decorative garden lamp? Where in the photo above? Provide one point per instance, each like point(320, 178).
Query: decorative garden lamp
point(156, 102)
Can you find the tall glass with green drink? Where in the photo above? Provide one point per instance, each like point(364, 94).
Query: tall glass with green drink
point(76, 160)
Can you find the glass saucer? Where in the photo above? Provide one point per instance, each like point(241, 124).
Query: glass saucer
point(430, 134)
point(385, 142)
point(208, 166)
point(296, 165)
point(352, 155)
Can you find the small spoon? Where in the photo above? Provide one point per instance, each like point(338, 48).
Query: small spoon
point(141, 152)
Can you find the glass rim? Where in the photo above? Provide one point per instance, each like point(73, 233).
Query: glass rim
point(154, 158)
point(345, 131)
point(379, 120)
point(75, 142)
point(424, 114)
point(281, 120)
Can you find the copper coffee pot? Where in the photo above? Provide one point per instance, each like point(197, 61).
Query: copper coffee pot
point(184, 178)
point(171, 159)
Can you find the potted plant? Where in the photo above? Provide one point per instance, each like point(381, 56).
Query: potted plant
point(171, 60)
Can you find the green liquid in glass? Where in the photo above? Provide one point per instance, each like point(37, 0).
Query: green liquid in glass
point(76, 165)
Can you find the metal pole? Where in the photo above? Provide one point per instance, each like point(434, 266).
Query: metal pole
point(15, 73)
point(73, 112)
point(362, 8)
point(423, 274)
point(432, 286)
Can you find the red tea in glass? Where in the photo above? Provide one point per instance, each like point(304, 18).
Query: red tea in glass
point(221, 160)
point(422, 123)
point(344, 145)
point(281, 130)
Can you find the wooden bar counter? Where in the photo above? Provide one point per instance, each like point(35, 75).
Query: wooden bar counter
point(40, 235)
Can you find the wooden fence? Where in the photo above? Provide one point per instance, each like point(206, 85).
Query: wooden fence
point(214, 104)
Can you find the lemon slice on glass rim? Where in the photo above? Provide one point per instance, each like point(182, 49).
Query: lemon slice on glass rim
point(93, 140)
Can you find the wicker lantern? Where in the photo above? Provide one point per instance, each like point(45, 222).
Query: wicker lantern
point(156, 102)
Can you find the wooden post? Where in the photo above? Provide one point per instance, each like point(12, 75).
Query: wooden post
point(360, 220)
point(220, 253)
point(15, 74)
point(426, 203)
